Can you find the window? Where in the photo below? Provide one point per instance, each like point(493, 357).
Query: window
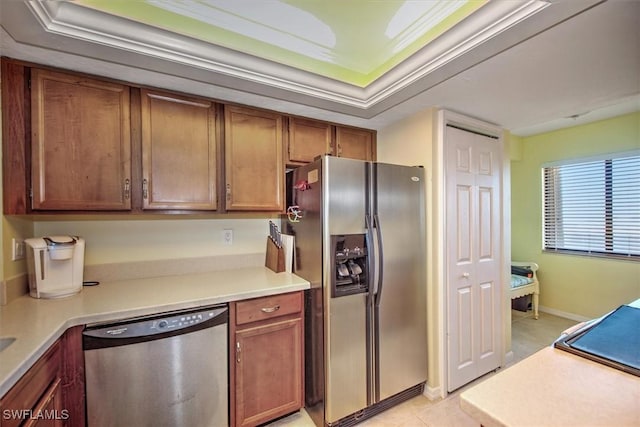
point(593, 207)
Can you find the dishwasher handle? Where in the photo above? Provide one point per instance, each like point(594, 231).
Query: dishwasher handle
point(153, 328)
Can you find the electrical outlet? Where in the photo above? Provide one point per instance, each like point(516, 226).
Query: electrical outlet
point(17, 249)
point(227, 237)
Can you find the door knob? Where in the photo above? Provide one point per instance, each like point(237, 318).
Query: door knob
point(465, 275)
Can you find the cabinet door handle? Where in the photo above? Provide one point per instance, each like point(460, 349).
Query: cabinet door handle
point(228, 192)
point(145, 190)
point(238, 351)
point(270, 309)
point(127, 189)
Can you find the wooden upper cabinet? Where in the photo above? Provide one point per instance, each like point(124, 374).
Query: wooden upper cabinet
point(254, 161)
point(307, 140)
point(179, 152)
point(355, 143)
point(81, 144)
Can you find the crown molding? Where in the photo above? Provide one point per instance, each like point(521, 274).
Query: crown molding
point(487, 23)
point(62, 34)
point(77, 22)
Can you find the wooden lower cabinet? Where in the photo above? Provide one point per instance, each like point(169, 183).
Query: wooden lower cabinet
point(36, 390)
point(72, 375)
point(51, 392)
point(266, 358)
point(49, 411)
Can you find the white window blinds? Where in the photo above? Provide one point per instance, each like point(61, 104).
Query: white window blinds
point(593, 207)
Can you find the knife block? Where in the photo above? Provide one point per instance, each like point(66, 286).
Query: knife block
point(274, 259)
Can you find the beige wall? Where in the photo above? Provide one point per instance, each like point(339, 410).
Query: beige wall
point(411, 142)
point(145, 240)
point(19, 229)
point(414, 141)
point(573, 286)
point(120, 241)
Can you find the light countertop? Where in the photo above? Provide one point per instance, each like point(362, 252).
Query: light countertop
point(37, 324)
point(555, 388)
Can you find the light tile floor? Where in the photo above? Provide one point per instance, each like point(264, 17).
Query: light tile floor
point(528, 336)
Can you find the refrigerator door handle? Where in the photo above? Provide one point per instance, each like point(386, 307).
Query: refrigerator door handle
point(370, 258)
point(379, 258)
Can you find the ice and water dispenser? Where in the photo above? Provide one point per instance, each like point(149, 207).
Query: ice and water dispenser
point(351, 270)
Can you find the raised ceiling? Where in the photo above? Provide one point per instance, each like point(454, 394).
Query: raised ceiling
point(519, 64)
point(354, 41)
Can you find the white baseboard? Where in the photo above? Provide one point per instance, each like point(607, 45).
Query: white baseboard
point(564, 314)
point(508, 358)
point(432, 393)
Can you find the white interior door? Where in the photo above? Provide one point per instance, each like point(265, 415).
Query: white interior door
point(473, 254)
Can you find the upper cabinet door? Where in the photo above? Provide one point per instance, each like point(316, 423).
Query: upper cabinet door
point(254, 162)
point(355, 143)
point(178, 152)
point(81, 144)
point(307, 140)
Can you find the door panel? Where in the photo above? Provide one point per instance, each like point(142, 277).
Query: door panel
point(81, 143)
point(487, 336)
point(460, 259)
point(178, 162)
point(486, 231)
point(354, 143)
point(465, 333)
point(261, 393)
point(254, 160)
point(473, 186)
point(463, 159)
point(464, 224)
point(308, 139)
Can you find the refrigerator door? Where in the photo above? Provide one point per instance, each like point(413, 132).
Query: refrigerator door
point(345, 195)
point(345, 321)
point(346, 363)
point(400, 305)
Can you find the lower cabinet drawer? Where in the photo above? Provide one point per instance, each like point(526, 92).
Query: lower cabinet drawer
point(265, 308)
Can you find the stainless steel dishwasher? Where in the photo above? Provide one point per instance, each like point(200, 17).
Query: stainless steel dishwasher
point(165, 370)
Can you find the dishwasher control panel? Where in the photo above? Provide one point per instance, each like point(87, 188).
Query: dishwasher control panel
point(166, 323)
point(182, 320)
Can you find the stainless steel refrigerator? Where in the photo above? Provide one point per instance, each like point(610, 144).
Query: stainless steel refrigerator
point(360, 236)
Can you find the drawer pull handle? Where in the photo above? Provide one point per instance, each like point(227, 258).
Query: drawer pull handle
point(270, 309)
point(127, 189)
